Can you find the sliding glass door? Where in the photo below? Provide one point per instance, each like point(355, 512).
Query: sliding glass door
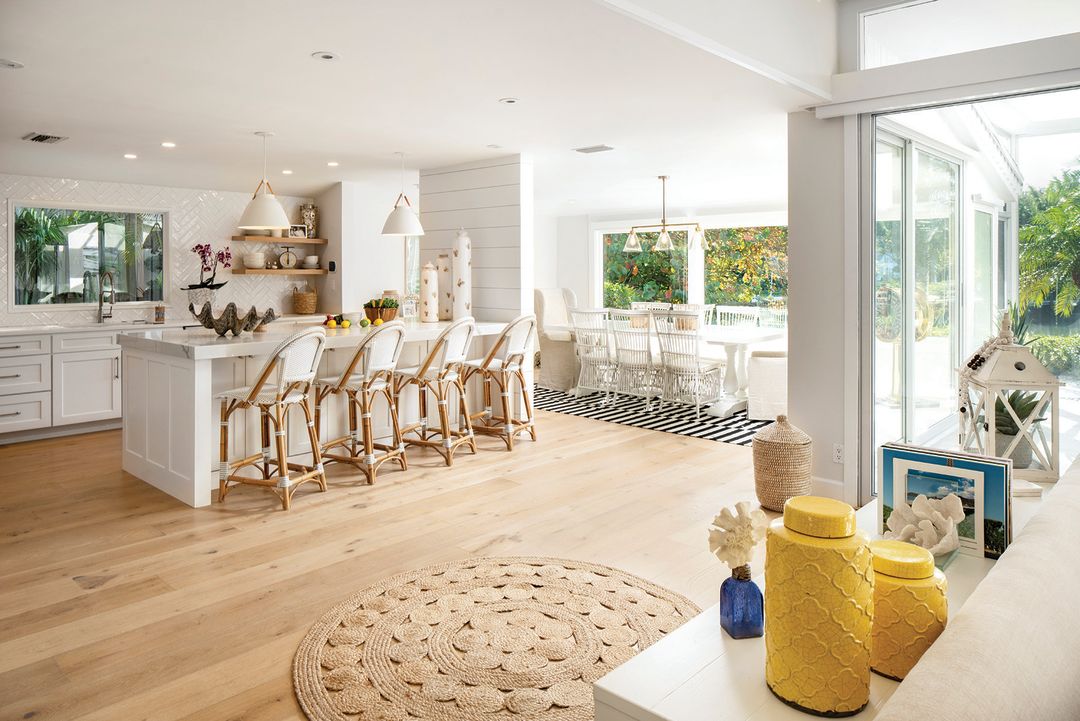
point(917, 252)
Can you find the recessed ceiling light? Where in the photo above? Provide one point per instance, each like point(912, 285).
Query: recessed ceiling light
point(493, 146)
point(168, 144)
point(130, 156)
point(10, 64)
point(286, 172)
point(508, 101)
point(324, 55)
point(332, 163)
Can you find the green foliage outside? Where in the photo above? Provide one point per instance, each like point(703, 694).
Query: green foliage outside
point(1060, 354)
point(743, 266)
point(49, 269)
point(1050, 244)
point(654, 276)
point(746, 266)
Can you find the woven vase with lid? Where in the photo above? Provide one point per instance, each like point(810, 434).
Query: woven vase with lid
point(782, 459)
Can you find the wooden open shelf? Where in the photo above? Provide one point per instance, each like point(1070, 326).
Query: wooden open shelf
point(278, 241)
point(279, 271)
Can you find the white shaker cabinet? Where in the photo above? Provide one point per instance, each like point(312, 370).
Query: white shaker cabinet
point(85, 386)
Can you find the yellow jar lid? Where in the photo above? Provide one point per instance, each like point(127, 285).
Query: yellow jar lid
point(902, 560)
point(819, 517)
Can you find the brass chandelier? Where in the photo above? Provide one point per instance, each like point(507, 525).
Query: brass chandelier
point(663, 242)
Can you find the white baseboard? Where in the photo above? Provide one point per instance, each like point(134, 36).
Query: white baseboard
point(58, 431)
point(828, 488)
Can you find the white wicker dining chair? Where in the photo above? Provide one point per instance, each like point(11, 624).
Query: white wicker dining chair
point(592, 343)
point(369, 375)
point(736, 315)
point(687, 376)
point(636, 369)
point(285, 381)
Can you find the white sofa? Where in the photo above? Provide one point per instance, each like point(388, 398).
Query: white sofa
point(1013, 651)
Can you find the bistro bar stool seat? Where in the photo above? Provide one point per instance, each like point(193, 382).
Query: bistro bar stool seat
point(502, 365)
point(439, 374)
point(284, 381)
point(368, 375)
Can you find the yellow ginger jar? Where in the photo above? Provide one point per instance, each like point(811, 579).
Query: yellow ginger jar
point(819, 607)
point(910, 608)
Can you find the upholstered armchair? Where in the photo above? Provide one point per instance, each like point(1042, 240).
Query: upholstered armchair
point(558, 364)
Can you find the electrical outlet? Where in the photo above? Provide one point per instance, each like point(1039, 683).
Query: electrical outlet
point(837, 453)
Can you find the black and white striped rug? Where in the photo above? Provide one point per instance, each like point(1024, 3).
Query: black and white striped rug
point(630, 411)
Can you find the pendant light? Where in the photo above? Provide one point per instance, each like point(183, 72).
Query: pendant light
point(663, 240)
point(402, 219)
point(264, 212)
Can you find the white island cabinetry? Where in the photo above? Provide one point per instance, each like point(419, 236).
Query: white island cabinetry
point(171, 417)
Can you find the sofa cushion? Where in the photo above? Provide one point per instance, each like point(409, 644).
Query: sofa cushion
point(1013, 650)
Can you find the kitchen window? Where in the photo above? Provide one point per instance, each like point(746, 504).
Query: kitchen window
point(61, 254)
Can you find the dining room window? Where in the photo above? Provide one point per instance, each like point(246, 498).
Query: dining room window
point(746, 266)
point(651, 275)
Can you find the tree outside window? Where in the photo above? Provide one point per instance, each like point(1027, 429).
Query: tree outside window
point(657, 276)
point(746, 266)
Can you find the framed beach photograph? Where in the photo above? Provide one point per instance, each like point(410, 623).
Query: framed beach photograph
point(981, 482)
point(297, 231)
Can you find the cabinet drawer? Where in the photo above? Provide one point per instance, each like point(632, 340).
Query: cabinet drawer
point(90, 340)
point(25, 411)
point(14, 345)
point(25, 374)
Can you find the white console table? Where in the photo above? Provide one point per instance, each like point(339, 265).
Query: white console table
point(699, 673)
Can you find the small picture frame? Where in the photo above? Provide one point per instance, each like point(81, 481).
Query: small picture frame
point(297, 231)
point(983, 484)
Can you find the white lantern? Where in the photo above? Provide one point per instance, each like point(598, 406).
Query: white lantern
point(1009, 407)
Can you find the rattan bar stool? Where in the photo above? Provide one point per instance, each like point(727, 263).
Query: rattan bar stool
point(294, 362)
point(440, 373)
point(369, 374)
point(503, 365)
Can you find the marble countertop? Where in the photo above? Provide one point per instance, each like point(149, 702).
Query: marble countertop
point(121, 326)
point(201, 343)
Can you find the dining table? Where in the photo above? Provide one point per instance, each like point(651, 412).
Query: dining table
point(736, 342)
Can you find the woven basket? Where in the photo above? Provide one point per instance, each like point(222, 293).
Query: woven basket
point(304, 301)
point(782, 456)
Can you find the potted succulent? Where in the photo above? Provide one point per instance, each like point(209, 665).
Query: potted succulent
point(384, 309)
point(1023, 404)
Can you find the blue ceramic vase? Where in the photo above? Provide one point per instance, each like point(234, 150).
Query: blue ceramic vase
point(741, 606)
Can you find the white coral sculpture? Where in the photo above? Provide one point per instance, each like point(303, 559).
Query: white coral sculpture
point(732, 536)
point(928, 522)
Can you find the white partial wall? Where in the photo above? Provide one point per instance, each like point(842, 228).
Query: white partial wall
point(367, 262)
point(194, 216)
point(493, 201)
point(574, 257)
point(545, 250)
point(818, 287)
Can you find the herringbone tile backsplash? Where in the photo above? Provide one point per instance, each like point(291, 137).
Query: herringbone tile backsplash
point(195, 216)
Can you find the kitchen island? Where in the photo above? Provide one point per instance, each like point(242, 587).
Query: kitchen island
point(170, 380)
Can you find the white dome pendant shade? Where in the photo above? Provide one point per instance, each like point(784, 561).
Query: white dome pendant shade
point(264, 212)
point(402, 219)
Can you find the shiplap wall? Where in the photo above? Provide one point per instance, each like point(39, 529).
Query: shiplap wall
point(492, 200)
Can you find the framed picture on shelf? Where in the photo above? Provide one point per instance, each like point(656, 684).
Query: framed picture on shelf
point(983, 484)
point(298, 231)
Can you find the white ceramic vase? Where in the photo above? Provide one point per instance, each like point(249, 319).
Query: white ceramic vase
point(429, 294)
point(446, 290)
point(462, 275)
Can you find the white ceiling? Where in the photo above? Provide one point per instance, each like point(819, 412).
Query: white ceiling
point(421, 77)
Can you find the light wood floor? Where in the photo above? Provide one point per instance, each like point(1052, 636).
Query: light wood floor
point(118, 602)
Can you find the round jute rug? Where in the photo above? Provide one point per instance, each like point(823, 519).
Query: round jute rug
point(487, 638)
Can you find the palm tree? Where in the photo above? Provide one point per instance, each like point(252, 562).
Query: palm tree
point(1050, 244)
point(37, 236)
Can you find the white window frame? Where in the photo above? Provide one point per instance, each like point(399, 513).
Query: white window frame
point(166, 253)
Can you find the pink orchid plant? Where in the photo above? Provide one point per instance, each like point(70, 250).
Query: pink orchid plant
point(210, 260)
